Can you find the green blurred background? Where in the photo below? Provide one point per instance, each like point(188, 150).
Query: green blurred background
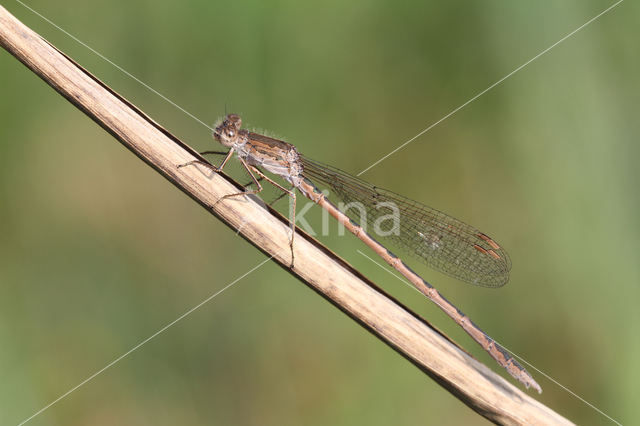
point(98, 252)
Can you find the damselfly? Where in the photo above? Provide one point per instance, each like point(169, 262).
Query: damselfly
point(439, 240)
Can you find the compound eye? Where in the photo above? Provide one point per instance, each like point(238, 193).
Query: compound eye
point(235, 120)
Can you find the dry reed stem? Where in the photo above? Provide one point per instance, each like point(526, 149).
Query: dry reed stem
point(470, 381)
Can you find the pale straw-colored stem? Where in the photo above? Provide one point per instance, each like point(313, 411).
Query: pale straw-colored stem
point(470, 381)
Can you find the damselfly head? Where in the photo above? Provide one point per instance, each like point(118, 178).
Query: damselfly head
point(227, 132)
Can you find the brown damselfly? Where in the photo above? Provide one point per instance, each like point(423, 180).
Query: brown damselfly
point(440, 241)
